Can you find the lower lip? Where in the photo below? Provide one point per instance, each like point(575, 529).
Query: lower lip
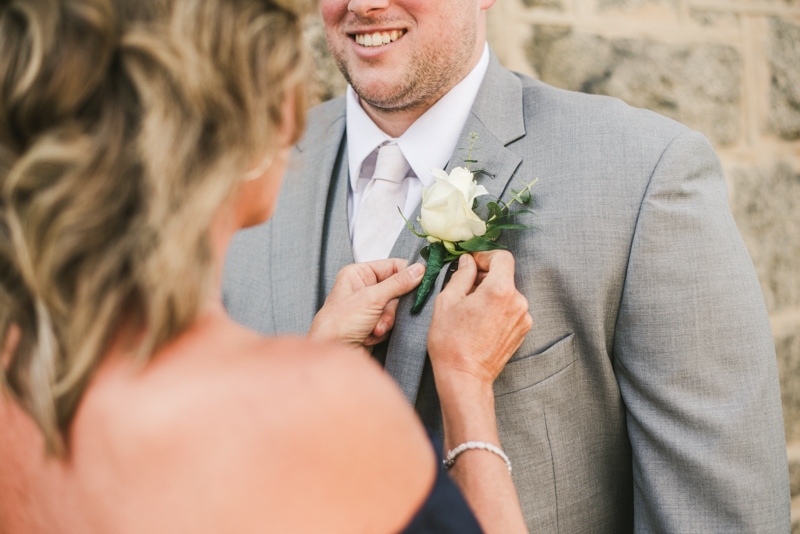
point(374, 51)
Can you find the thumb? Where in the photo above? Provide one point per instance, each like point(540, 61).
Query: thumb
point(464, 278)
point(398, 284)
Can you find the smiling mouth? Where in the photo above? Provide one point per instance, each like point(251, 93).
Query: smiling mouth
point(377, 38)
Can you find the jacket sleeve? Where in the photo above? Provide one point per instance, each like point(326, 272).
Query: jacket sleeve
point(695, 360)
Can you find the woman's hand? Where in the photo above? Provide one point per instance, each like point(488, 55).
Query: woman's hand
point(479, 320)
point(360, 309)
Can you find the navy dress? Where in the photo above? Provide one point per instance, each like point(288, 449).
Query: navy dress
point(444, 511)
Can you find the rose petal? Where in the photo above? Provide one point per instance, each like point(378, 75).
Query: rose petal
point(439, 173)
point(476, 225)
point(477, 191)
point(439, 191)
point(461, 179)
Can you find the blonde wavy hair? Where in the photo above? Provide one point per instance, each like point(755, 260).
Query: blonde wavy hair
point(124, 126)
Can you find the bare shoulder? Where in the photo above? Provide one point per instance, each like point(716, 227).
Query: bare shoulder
point(265, 432)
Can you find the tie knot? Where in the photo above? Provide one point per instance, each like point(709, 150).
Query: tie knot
point(391, 164)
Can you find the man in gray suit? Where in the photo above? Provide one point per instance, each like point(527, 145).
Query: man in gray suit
point(645, 398)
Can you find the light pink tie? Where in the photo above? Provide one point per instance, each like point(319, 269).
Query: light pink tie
point(378, 222)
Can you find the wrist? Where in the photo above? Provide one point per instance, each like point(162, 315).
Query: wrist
point(317, 332)
point(460, 384)
point(325, 332)
point(468, 411)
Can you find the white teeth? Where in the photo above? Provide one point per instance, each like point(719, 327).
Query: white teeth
point(378, 38)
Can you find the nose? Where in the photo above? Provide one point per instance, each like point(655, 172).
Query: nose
point(367, 8)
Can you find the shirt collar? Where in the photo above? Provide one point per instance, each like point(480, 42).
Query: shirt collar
point(430, 141)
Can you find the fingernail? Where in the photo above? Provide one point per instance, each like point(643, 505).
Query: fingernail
point(416, 270)
point(462, 260)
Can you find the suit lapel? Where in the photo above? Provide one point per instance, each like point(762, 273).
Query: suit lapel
point(337, 249)
point(497, 118)
point(299, 222)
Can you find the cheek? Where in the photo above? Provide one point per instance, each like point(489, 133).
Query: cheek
point(333, 11)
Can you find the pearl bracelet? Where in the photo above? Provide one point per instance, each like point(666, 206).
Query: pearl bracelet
point(453, 454)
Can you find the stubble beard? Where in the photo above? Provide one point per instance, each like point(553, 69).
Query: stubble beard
point(429, 78)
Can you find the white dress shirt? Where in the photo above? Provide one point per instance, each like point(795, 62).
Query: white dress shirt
point(429, 142)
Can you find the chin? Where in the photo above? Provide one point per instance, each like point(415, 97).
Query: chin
point(380, 93)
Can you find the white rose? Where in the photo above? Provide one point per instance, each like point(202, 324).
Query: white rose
point(446, 213)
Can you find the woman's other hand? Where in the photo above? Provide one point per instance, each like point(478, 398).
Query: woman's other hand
point(360, 309)
point(479, 320)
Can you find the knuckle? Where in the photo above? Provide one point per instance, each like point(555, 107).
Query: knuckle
point(505, 256)
point(441, 304)
point(397, 280)
point(403, 280)
point(502, 291)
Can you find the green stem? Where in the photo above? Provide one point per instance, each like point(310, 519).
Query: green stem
point(409, 224)
point(436, 260)
point(472, 136)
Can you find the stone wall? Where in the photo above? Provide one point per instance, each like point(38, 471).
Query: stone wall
point(728, 68)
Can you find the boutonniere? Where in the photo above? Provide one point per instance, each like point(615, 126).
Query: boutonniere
point(452, 227)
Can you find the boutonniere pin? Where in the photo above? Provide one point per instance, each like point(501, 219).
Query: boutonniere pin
point(452, 227)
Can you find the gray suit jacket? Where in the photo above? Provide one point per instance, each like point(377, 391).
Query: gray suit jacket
point(645, 398)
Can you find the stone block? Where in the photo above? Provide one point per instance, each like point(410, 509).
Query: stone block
point(627, 5)
point(784, 61)
point(552, 4)
point(696, 84)
point(796, 516)
point(766, 205)
point(714, 19)
point(328, 80)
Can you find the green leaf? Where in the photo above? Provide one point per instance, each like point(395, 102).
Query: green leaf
point(523, 197)
point(480, 243)
point(425, 253)
point(496, 221)
point(492, 234)
point(495, 209)
point(474, 204)
point(504, 219)
point(470, 161)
